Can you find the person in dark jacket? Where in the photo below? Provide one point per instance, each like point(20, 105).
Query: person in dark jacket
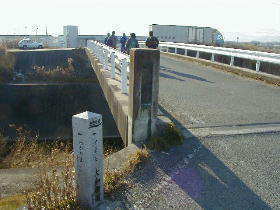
point(106, 39)
point(132, 42)
point(123, 42)
point(112, 41)
point(152, 41)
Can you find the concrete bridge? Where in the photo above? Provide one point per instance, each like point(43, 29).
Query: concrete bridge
point(130, 84)
point(231, 122)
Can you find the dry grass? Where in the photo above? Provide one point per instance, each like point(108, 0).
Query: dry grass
point(116, 179)
point(9, 44)
point(4, 150)
point(59, 73)
point(28, 151)
point(13, 202)
point(248, 46)
point(66, 73)
point(57, 189)
point(2, 48)
point(55, 186)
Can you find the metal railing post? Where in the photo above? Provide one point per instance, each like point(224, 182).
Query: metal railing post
point(231, 60)
point(213, 57)
point(106, 61)
point(113, 66)
point(124, 65)
point(258, 65)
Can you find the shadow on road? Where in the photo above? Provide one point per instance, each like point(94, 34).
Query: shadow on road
point(189, 76)
point(170, 77)
point(204, 177)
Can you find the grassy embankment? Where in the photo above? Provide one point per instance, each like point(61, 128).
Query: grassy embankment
point(55, 183)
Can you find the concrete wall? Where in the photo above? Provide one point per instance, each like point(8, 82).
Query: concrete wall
point(48, 108)
point(26, 60)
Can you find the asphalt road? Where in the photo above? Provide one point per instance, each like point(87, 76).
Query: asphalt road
point(211, 173)
point(231, 155)
point(200, 96)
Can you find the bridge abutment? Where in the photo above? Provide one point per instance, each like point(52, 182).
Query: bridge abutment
point(143, 94)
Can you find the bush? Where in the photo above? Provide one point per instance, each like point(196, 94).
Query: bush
point(170, 137)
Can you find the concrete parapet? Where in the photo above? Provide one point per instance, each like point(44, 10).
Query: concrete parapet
point(134, 113)
point(117, 101)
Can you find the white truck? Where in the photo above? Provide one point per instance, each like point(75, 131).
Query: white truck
point(29, 44)
point(187, 34)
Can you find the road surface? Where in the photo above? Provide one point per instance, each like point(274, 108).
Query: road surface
point(202, 97)
point(231, 156)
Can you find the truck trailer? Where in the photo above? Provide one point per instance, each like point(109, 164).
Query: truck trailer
point(187, 34)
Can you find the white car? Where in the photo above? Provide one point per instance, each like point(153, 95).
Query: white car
point(29, 44)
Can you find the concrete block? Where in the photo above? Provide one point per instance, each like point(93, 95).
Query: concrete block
point(143, 93)
point(88, 153)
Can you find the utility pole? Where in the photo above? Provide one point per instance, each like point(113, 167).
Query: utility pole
point(36, 33)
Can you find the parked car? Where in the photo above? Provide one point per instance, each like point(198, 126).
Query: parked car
point(29, 44)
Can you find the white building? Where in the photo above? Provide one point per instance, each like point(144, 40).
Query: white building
point(71, 34)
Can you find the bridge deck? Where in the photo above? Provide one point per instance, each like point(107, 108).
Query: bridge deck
point(200, 96)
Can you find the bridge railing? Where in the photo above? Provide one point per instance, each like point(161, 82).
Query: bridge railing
point(130, 84)
point(256, 56)
point(113, 61)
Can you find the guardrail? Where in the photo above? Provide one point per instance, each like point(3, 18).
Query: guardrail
point(112, 60)
point(256, 56)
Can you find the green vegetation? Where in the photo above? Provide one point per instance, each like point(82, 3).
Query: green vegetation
point(170, 137)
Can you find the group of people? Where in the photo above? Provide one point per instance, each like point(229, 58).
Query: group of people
point(131, 42)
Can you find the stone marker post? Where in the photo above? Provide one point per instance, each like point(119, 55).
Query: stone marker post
point(88, 152)
point(143, 94)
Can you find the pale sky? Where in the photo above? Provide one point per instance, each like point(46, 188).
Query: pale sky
point(243, 18)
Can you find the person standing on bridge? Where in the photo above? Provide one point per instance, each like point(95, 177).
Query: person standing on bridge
point(132, 42)
point(106, 39)
point(152, 41)
point(123, 41)
point(112, 41)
